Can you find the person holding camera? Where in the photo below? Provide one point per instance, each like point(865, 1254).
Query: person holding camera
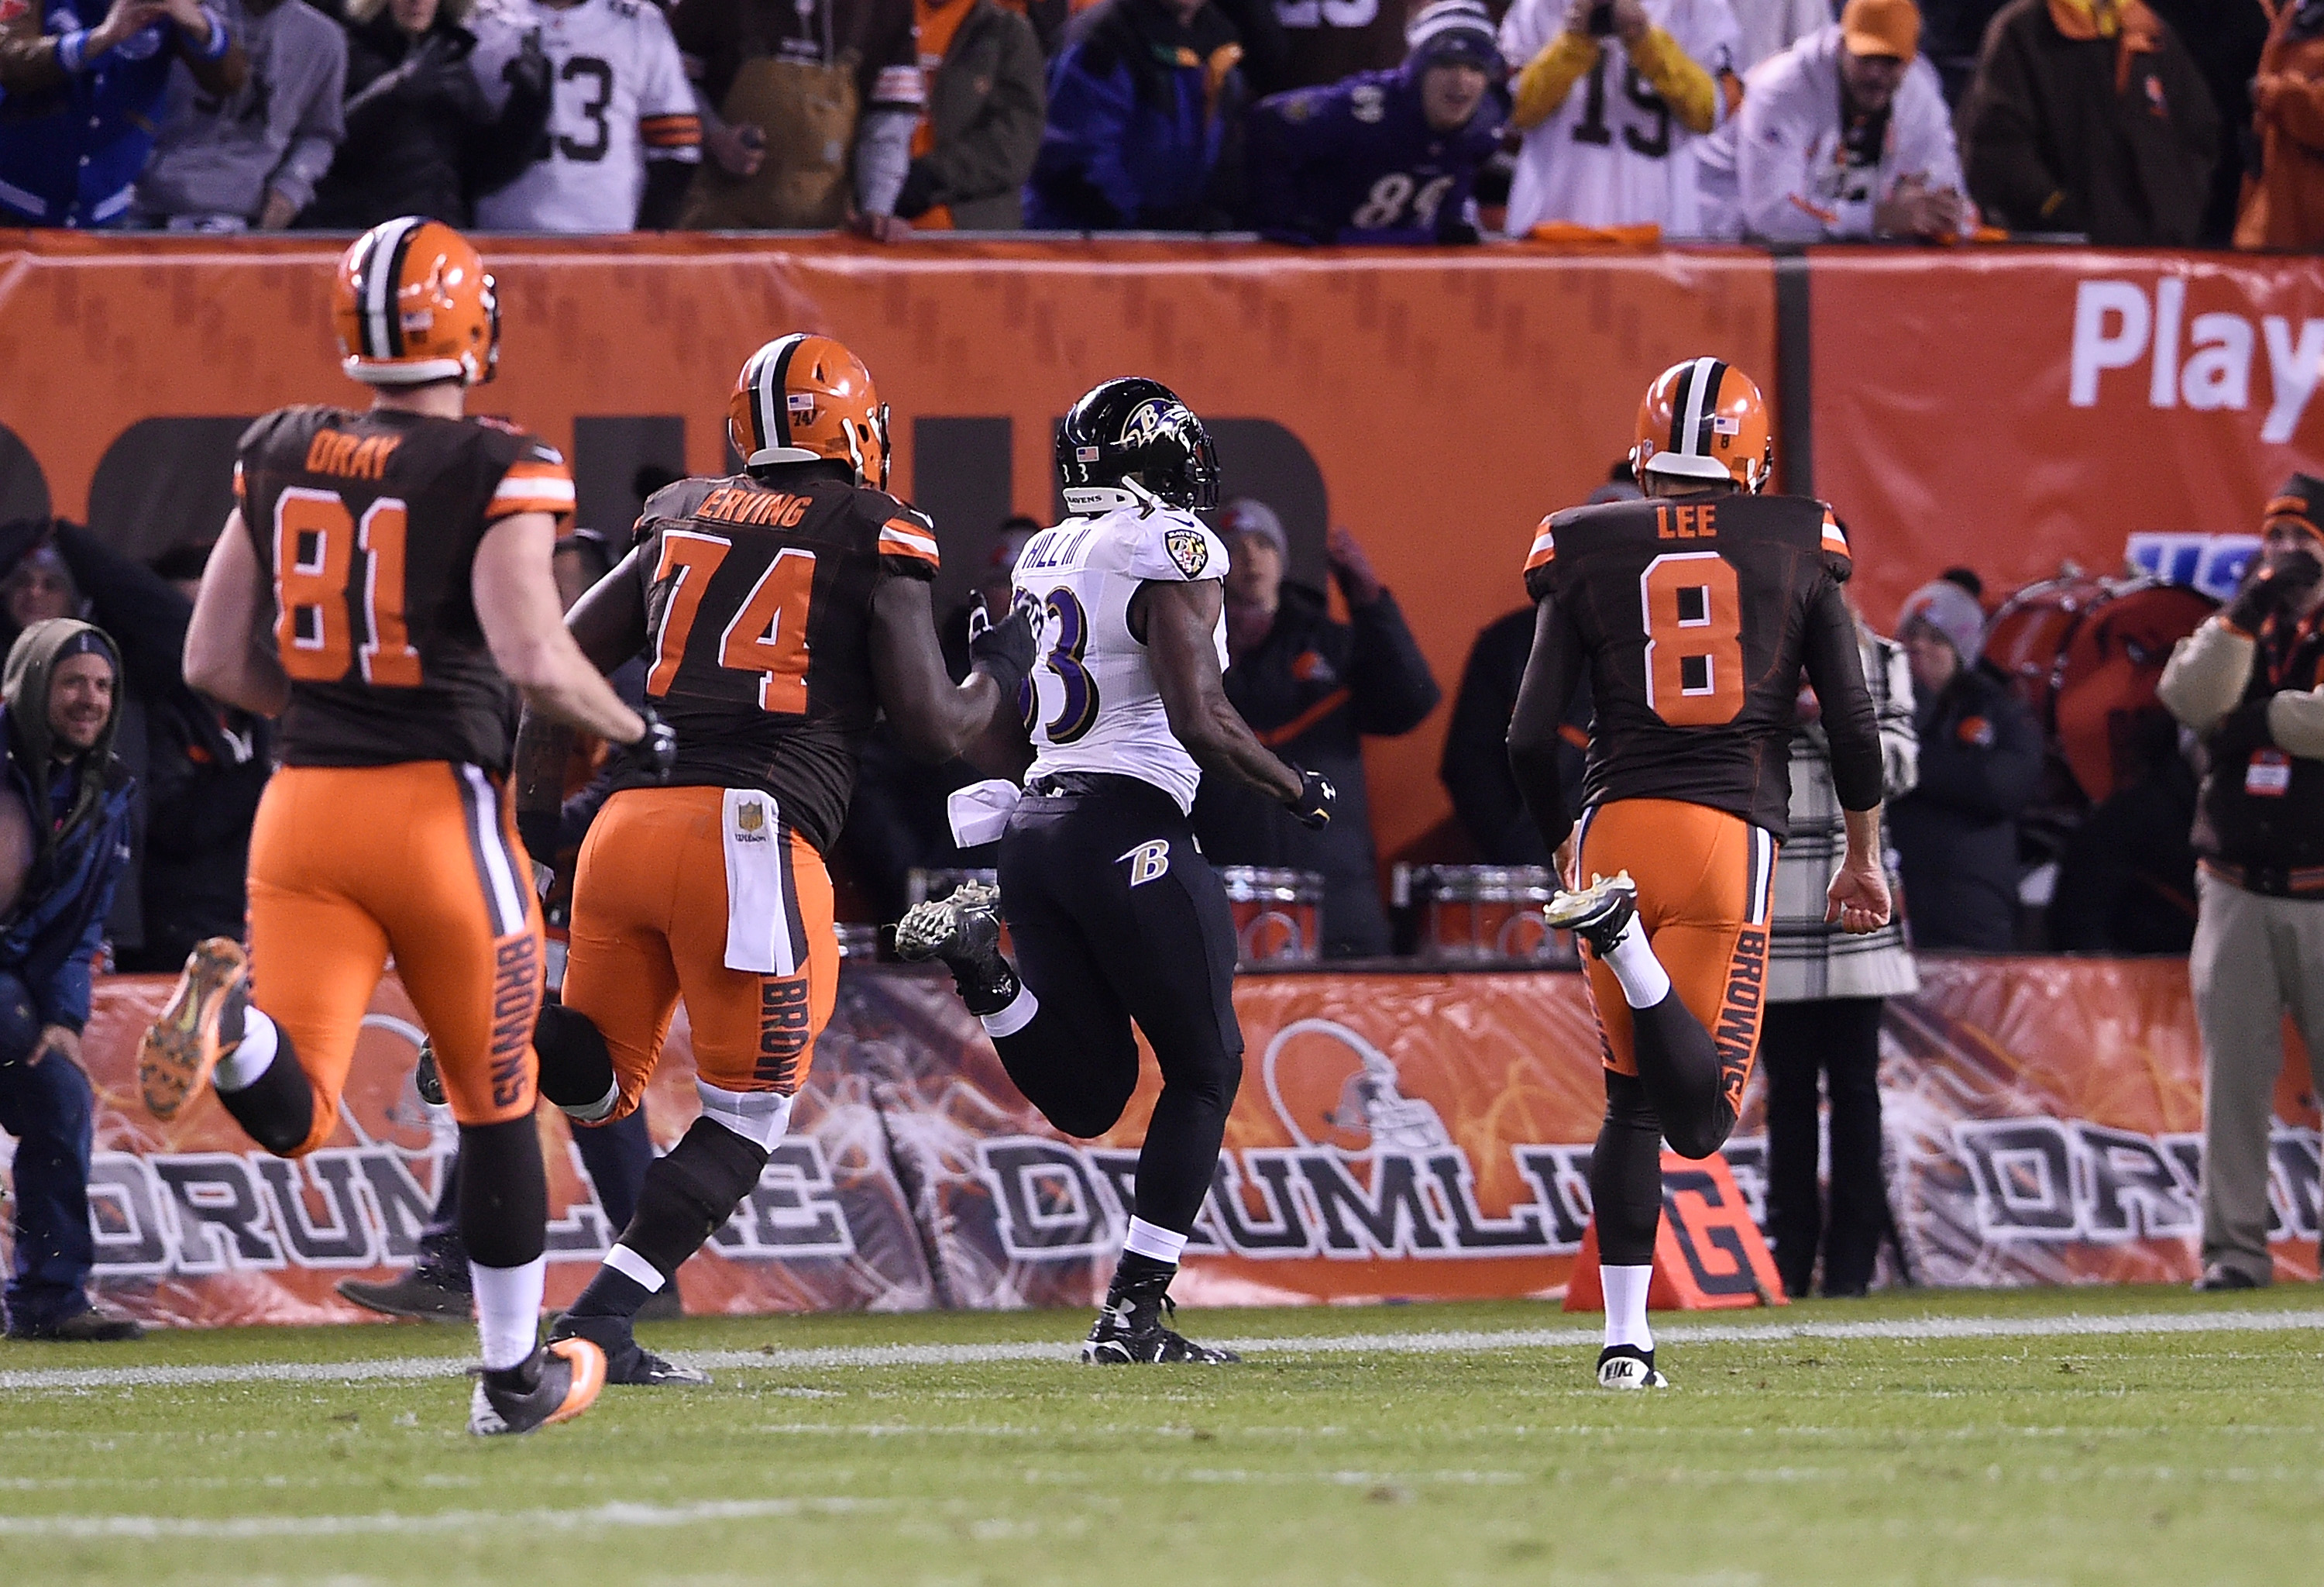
point(1611, 96)
point(2251, 683)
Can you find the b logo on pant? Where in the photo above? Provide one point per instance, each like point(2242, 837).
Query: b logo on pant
point(1147, 861)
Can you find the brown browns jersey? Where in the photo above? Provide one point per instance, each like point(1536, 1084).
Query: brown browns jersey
point(368, 525)
point(758, 604)
point(1694, 620)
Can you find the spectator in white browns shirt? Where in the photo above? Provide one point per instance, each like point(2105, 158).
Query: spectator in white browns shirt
point(1612, 97)
point(623, 138)
point(1844, 135)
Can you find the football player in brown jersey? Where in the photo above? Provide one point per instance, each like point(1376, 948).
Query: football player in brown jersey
point(382, 581)
point(781, 610)
point(1693, 612)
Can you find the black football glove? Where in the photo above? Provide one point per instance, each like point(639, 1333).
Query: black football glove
point(1313, 807)
point(657, 747)
point(2270, 588)
point(1003, 651)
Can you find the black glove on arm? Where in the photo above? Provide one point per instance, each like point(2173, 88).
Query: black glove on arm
point(2270, 588)
point(657, 747)
point(1003, 651)
point(1313, 807)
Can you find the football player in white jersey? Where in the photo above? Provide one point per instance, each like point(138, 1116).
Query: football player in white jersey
point(623, 138)
point(1610, 96)
point(1114, 914)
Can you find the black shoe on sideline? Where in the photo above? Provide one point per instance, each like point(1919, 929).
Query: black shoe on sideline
point(89, 1326)
point(420, 1294)
point(2218, 1278)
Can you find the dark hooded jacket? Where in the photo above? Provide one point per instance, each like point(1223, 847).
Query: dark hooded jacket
point(80, 813)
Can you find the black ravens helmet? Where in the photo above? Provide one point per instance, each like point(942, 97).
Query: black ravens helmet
point(1130, 442)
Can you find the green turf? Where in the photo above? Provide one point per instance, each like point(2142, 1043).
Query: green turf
point(2171, 1458)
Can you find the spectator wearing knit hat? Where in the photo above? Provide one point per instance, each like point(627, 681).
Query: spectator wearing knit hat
point(1385, 156)
point(1980, 762)
point(1313, 689)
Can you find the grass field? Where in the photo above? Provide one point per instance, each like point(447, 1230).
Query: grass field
point(2121, 1436)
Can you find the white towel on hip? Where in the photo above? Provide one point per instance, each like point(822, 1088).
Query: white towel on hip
point(759, 936)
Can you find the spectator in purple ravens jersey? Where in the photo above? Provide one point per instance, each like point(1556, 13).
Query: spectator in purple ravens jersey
point(1385, 156)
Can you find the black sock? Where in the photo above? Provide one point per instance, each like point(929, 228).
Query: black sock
point(577, 1069)
point(1685, 1083)
point(277, 1110)
point(1626, 1175)
point(1136, 1274)
point(609, 1294)
point(687, 1196)
point(504, 1193)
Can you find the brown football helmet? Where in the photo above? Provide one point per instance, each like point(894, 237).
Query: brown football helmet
point(412, 304)
point(1705, 421)
point(805, 399)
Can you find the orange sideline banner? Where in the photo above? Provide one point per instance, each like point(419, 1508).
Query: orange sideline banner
point(2014, 409)
point(1438, 403)
point(1402, 1136)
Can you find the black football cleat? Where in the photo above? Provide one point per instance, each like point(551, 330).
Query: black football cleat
point(1596, 913)
point(962, 929)
point(572, 1371)
point(628, 1364)
point(1626, 1366)
point(1132, 1330)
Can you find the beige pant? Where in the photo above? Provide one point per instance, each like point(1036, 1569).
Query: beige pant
point(2254, 959)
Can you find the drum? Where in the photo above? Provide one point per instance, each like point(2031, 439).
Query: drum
point(2086, 654)
point(1279, 915)
point(921, 885)
point(1488, 915)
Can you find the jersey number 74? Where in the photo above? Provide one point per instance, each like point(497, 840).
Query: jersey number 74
point(767, 633)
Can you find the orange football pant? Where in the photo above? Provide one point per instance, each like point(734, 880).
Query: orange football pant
point(649, 909)
point(349, 865)
point(1706, 881)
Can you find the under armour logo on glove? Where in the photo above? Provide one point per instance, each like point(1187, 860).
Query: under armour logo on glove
point(1147, 861)
point(1313, 807)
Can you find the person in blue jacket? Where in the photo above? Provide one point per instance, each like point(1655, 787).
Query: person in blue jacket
point(1145, 104)
point(1385, 156)
point(64, 844)
point(80, 104)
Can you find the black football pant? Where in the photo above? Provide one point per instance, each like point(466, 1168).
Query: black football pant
point(1840, 1041)
point(1117, 917)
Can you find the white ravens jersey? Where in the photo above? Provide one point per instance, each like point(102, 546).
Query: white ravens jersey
point(1094, 706)
point(1614, 153)
point(620, 98)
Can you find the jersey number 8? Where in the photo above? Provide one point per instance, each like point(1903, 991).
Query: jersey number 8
point(1691, 608)
point(767, 634)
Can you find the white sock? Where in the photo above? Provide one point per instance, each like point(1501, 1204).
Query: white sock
point(635, 1269)
point(1644, 981)
point(1625, 1303)
point(507, 1310)
point(1148, 1240)
point(1013, 1019)
point(252, 1058)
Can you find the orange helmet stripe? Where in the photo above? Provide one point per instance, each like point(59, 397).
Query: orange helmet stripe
point(383, 266)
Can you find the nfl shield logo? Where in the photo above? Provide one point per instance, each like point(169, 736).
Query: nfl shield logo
point(751, 817)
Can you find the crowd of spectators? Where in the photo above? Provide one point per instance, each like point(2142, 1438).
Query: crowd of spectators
point(2132, 122)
